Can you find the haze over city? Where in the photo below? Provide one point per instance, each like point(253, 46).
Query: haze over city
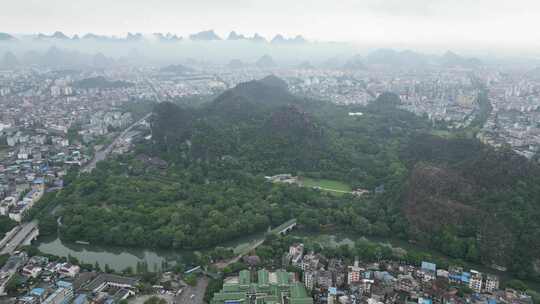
point(270, 152)
point(463, 25)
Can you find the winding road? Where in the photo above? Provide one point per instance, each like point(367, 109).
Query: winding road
point(102, 154)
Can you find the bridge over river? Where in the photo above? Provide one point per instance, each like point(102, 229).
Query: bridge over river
point(279, 230)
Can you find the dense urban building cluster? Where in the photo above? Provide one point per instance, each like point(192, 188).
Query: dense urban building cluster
point(333, 281)
point(449, 95)
point(319, 279)
point(53, 121)
point(277, 287)
point(515, 99)
point(40, 281)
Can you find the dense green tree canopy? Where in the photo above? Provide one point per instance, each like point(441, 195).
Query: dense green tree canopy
point(199, 182)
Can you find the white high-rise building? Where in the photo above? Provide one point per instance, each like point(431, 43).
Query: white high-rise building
point(354, 273)
point(491, 283)
point(309, 279)
point(475, 282)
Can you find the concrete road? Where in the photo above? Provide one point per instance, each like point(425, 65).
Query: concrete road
point(19, 237)
point(101, 155)
point(196, 291)
point(223, 264)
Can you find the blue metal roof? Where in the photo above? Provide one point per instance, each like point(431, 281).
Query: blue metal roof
point(64, 284)
point(37, 291)
point(429, 266)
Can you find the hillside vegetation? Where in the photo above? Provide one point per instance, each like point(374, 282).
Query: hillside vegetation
point(452, 194)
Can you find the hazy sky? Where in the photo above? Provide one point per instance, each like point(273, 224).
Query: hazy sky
point(488, 22)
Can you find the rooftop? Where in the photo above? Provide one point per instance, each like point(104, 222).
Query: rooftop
point(110, 278)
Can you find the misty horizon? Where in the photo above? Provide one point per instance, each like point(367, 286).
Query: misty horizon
point(496, 27)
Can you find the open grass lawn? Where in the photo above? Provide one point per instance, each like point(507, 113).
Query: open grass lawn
point(326, 184)
point(442, 133)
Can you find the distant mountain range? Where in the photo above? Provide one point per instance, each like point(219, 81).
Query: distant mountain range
point(9, 61)
point(279, 39)
point(56, 58)
point(6, 37)
point(234, 36)
point(383, 58)
point(60, 50)
point(256, 37)
point(205, 35)
point(55, 35)
point(177, 69)
point(405, 59)
point(236, 64)
point(306, 65)
point(266, 61)
point(208, 35)
point(101, 83)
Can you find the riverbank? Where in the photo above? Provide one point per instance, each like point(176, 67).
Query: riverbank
point(120, 258)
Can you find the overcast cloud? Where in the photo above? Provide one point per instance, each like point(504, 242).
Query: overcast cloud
point(422, 22)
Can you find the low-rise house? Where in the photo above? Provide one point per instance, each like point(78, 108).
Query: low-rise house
point(31, 271)
point(441, 273)
point(406, 283)
point(16, 213)
point(324, 279)
point(428, 271)
point(69, 270)
point(39, 260)
point(104, 280)
point(385, 277)
point(296, 252)
point(339, 272)
point(310, 262)
point(39, 293)
point(59, 296)
point(362, 287)
point(457, 275)
point(7, 204)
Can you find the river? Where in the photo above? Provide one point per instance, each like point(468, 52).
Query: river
point(119, 258)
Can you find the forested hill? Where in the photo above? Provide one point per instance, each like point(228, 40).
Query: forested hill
point(258, 123)
point(266, 130)
point(473, 201)
point(453, 194)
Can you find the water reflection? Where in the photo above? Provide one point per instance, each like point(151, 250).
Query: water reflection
point(117, 258)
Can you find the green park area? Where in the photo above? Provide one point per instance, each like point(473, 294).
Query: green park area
point(325, 184)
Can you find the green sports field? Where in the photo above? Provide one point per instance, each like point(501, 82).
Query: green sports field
point(326, 184)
